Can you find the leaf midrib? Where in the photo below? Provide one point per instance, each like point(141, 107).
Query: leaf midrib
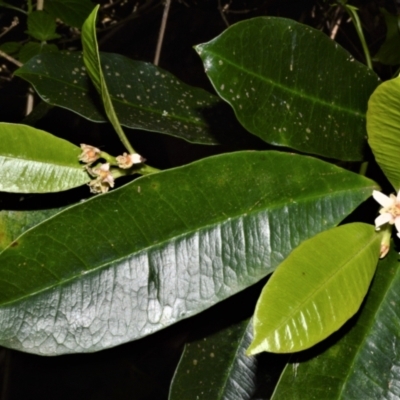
point(284, 88)
point(154, 245)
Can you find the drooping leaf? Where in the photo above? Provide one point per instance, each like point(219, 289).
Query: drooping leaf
point(32, 49)
point(72, 12)
point(363, 364)
point(383, 126)
point(389, 52)
point(316, 289)
point(34, 161)
point(144, 96)
point(164, 247)
point(217, 367)
point(42, 26)
point(292, 86)
point(91, 59)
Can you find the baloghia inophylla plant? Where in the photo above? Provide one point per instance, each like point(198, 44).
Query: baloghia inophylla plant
point(170, 244)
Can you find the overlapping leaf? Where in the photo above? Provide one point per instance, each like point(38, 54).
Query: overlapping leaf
point(363, 364)
point(32, 160)
point(72, 12)
point(383, 125)
point(166, 246)
point(292, 86)
point(217, 367)
point(144, 96)
point(316, 289)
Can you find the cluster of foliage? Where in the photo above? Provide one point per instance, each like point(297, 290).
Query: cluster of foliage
point(128, 262)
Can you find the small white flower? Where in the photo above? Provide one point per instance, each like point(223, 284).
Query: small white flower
point(390, 211)
point(127, 160)
point(104, 179)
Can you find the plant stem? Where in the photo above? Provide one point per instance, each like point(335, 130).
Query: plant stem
point(357, 24)
point(363, 168)
point(162, 31)
point(147, 170)
point(40, 5)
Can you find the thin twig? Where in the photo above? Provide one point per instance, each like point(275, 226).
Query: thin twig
point(11, 59)
point(14, 23)
point(162, 31)
point(335, 29)
point(222, 12)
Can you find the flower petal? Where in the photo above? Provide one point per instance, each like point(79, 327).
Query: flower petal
point(383, 219)
point(382, 199)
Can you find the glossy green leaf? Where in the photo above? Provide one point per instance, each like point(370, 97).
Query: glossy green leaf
point(72, 12)
point(144, 96)
point(123, 265)
point(32, 49)
point(42, 26)
point(34, 161)
point(292, 86)
point(316, 289)
point(91, 59)
point(216, 367)
point(383, 126)
point(389, 52)
point(363, 364)
point(15, 223)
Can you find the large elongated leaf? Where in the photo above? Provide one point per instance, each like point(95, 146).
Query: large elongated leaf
point(217, 367)
point(14, 223)
point(292, 86)
point(144, 96)
point(32, 160)
point(316, 289)
point(364, 363)
point(164, 247)
point(383, 125)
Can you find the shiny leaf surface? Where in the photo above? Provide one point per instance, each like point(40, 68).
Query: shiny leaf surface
point(216, 367)
point(144, 96)
point(316, 289)
point(123, 265)
point(363, 364)
point(34, 161)
point(383, 125)
point(292, 86)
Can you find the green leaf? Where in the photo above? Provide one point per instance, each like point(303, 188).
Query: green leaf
point(389, 52)
point(34, 161)
point(72, 12)
point(363, 364)
point(316, 289)
point(15, 223)
point(6, 5)
point(11, 47)
point(32, 49)
point(383, 126)
point(165, 247)
point(144, 96)
point(91, 59)
point(217, 367)
point(42, 26)
point(292, 86)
